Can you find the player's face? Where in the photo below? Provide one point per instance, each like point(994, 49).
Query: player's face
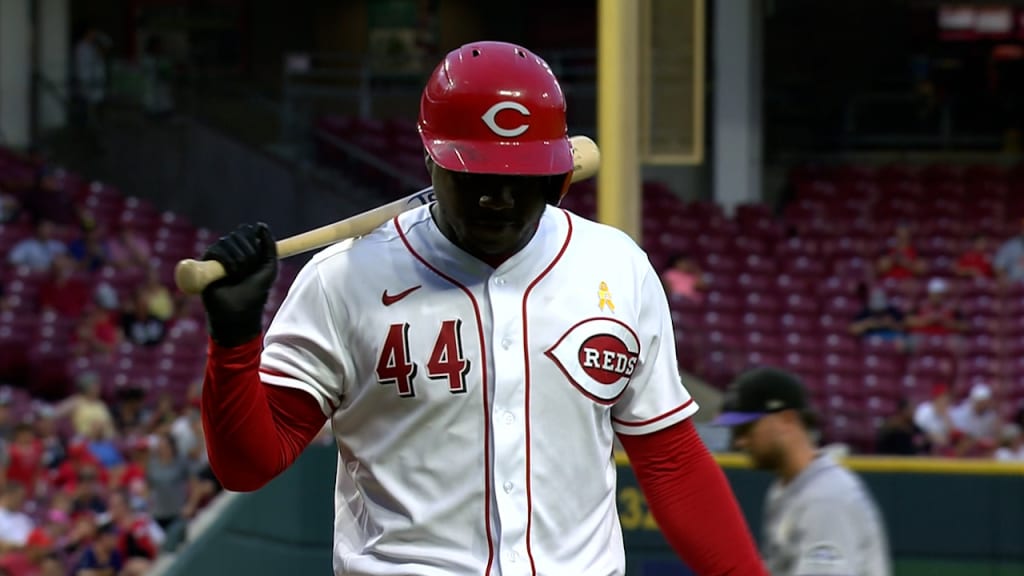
point(489, 215)
point(761, 440)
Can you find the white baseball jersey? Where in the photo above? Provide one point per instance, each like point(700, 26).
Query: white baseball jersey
point(475, 408)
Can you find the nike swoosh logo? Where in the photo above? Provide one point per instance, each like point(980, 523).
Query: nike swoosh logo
point(388, 299)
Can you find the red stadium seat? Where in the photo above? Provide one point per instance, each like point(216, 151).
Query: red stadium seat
point(722, 301)
point(799, 323)
point(763, 303)
point(765, 323)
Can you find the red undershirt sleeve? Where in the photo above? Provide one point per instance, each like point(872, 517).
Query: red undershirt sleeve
point(254, 431)
point(682, 482)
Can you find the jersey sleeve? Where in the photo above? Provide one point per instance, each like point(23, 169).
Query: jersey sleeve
point(303, 348)
point(656, 397)
point(827, 540)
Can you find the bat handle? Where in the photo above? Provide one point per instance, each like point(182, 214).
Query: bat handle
point(192, 276)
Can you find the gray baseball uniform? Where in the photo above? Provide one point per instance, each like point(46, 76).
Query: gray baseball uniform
point(824, 523)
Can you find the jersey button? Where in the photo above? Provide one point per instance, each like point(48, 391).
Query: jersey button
point(506, 342)
point(499, 281)
point(513, 556)
point(509, 418)
point(508, 487)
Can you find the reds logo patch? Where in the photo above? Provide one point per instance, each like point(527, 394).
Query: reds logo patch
point(598, 356)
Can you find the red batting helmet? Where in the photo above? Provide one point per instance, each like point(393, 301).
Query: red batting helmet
point(495, 108)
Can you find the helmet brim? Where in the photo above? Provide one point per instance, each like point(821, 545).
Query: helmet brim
point(514, 158)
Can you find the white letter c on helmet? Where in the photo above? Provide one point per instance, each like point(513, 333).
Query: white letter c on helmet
point(492, 112)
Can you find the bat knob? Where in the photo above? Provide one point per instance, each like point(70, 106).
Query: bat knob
point(193, 276)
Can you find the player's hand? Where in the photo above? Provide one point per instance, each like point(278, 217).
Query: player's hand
point(234, 305)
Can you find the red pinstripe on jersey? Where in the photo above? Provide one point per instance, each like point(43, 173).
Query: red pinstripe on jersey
point(483, 382)
point(526, 367)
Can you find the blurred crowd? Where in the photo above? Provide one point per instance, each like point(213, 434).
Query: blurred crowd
point(90, 484)
point(96, 477)
point(969, 424)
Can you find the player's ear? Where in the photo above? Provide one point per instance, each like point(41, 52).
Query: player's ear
point(428, 161)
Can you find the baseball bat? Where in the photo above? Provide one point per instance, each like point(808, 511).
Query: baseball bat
point(192, 276)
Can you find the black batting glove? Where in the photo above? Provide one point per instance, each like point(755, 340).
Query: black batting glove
point(234, 304)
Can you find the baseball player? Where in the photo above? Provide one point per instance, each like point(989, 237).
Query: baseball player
point(819, 519)
point(476, 358)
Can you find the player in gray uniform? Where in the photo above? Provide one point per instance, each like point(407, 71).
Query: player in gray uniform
point(819, 518)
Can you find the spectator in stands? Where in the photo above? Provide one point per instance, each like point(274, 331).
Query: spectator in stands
point(106, 298)
point(97, 333)
point(203, 486)
point(89, 87)
point(164, 414)
point(183, 431)
point(899, 436)
point(58, 515)
point(39, 547)
point(130, 414)
point(53, 450)
point(901, 261)
point(977, 419)
point(25, 459)
point(684, 278)
point(90, 250)
point(28, 561)
point(159, 299)
point(139, 538)
point(15, 525)
point(103, 448)
point(938, 315)
point(87, 409)
point(80, 533)
point(133, 477)
point(89, 490)
point(128, 249)
point(1011, 448)
point(139, 325)
point(167, 475)
point(102, 557)
point(879, 319)
point(198, 459)
point(50, 565)
point(65, 292)
point(1009, 261)
point(157, 72)
point(933, 418)
point(976, 262)
point(38, 251)
point(79, 467)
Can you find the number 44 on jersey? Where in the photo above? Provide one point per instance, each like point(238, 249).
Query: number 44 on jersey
point(446, 361)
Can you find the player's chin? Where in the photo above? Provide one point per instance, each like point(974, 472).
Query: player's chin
point(493, 239)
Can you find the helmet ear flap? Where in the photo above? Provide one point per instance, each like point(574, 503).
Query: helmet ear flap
point(556, 194)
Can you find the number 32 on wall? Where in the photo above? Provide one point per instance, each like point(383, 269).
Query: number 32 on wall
point(633, 511)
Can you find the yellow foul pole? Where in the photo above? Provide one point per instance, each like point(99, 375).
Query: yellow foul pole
point(618, 90)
